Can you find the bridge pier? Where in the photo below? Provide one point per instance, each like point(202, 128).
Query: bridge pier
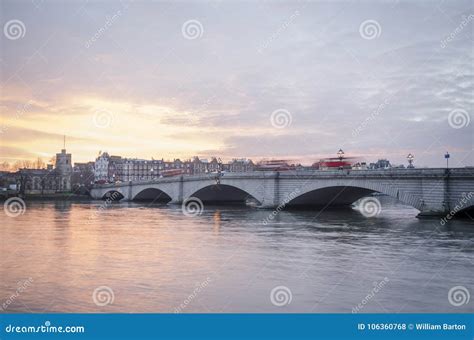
point(176, 201)
point(431, 214)
point(270, 206)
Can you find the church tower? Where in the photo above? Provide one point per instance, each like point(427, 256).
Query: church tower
point(64, 168)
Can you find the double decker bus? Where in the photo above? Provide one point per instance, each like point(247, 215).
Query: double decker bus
point(274, 165)
point(172, 172)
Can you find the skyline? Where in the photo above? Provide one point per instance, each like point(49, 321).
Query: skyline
point(262, 80)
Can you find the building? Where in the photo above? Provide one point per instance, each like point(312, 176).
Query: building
point(360, 166)
point(115, 167)
point(199, 166)
point(63, 169)
point(101, 168)
point(133, 169)
point(82, 175)
point(8, 181)
point(380, 164)
point(213, 165)
point(240, 165)
point(111, 169)
point(47, 181)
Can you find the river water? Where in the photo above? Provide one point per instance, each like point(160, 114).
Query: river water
point(131, 257)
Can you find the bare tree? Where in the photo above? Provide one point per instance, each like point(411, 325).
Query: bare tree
point(16, 166)
point(27, 164)
point(5, 166)
point(39, 164)
point(52, 160)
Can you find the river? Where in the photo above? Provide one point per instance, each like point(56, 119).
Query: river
point(135, 257)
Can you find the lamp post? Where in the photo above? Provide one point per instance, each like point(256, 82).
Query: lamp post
point(446, 155)
point(410, 158)
point(151, 171)
point(340, 154)
point(219, 171)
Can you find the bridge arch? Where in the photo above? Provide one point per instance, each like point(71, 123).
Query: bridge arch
point(223, 193)
point(113, 195)
point(467, 212)
point(340, 194)
point(334, 196)
point(152, 195)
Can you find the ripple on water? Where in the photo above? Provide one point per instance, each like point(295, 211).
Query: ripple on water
point(153, 257)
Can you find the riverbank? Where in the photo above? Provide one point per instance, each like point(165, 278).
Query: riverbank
point(53, 197)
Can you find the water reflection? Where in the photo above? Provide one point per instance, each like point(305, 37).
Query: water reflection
point(151, 256)
point(217, 222)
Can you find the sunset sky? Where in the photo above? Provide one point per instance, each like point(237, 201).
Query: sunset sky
point(133, 79)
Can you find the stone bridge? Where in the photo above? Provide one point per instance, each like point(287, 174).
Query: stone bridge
point(432, 191)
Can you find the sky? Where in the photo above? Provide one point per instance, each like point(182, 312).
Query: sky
point(258, 79)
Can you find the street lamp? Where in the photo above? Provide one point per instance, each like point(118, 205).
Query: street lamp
point(447, 155)
point(219, 171)
point(410, 158)
point(340, 154)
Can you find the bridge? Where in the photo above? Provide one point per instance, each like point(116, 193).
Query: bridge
point(432, 191)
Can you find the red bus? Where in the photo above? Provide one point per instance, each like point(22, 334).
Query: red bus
point(274, 165)
point(172, 172)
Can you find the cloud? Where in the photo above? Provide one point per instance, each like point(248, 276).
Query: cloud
point(14, 134)
point(171, 95)
point(11, 152)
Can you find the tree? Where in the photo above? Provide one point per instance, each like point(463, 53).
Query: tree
point(5, 166)
point(16, 166)
point(52, 160)
point(23, 164)
point(39, 164)
point(26, 164)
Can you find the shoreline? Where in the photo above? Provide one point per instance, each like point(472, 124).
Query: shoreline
point(52, 197)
